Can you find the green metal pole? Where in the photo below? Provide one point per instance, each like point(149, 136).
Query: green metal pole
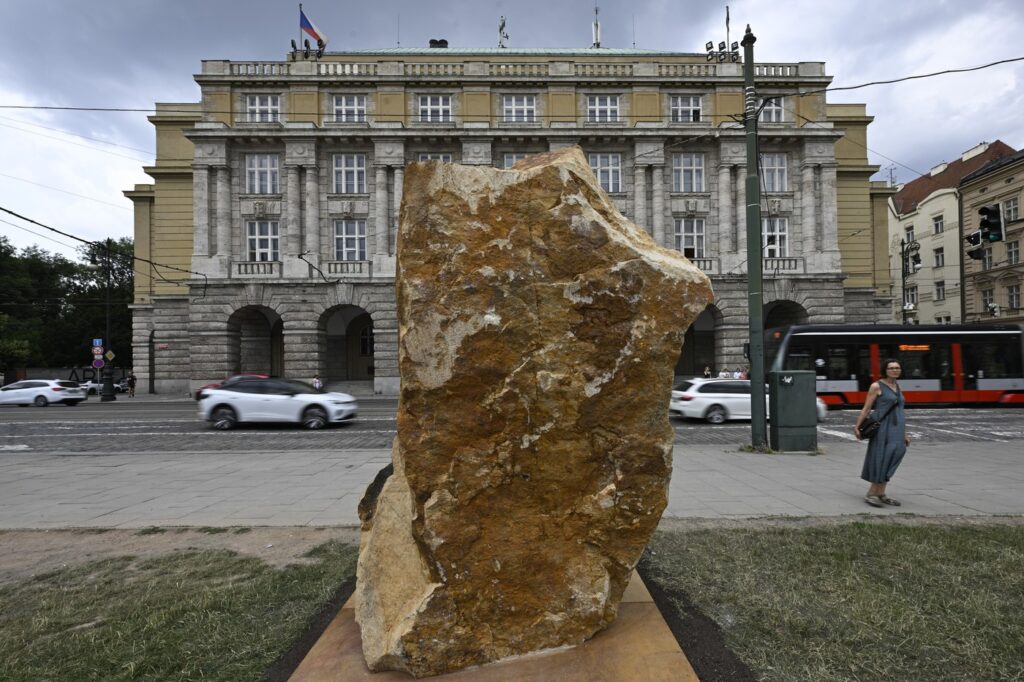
point(758, 421)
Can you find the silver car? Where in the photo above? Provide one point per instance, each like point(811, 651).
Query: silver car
point(42, 392)
point(261, 399)
point(718, 400)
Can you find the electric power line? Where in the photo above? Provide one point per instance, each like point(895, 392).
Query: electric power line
point(74, 144)
point(148, 152)
point(58, 189)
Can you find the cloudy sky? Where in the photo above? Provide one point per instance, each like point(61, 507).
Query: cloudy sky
point(68, 169)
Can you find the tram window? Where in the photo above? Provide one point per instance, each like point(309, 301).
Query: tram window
point(801, 354)
point(838, 363)
point(993, 358)
point(922, 361)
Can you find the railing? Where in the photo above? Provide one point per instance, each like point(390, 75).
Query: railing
point(417, 69)
point(685, 70)
point(534, 70)
point(269, 268)
point(605, 70)
point(260, 119)
point(783, 265)
point(259, 68)
point(350, 267)
point(345, 69)
point(708, 265)
point(786, 70)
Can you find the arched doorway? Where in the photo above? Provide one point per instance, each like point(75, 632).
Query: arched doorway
point(346, 344)
point(256, 346)
point(698, 345)
point(783, 313)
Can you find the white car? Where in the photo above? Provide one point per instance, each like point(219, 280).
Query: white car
point(718, 400)
point(261, 399)
point(93, 387)
point(42, 392)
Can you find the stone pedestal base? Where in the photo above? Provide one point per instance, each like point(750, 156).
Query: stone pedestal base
point(637, 646)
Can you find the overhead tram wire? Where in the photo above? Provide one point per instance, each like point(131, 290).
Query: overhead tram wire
point(148, 152)
point(74, 144)
point(58, 189)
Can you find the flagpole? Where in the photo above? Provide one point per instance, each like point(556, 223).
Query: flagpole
point(299, 44)
point(727, 43)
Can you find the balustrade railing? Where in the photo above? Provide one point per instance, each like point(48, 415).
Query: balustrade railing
point(259, 68)
point(350, 267)
point(269, 268)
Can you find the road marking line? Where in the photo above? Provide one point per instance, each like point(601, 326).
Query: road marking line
point(21, 446)
point(245, 432)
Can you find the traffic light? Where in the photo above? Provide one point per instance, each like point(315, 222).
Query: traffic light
point(990, 223)
point(974, 239)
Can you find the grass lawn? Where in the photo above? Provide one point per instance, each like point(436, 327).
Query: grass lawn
point(854, 601)
point(184, 615)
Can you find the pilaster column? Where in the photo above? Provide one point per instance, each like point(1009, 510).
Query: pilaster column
point(829, 228)
point(640, 197)
point(224, 213)
point(399, 182)
point(312, 215)
point(726, 230)
point(200, 211)
point(740, 223)
point(658, 204)
point(292, 214)
point(812, 235)
point(380, 205)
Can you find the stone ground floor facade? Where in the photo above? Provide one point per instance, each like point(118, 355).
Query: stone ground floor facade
point(348, 331)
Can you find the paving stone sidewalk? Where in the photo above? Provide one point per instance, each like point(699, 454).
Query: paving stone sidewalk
point(317, 487)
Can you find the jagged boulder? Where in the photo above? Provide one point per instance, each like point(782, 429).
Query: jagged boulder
point(538, 331)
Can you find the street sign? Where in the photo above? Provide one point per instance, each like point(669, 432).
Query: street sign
point(97, 342)
point(98, 363)
point(97, 350)
point(109, 356)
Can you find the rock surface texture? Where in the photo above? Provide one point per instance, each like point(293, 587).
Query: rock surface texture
point(538, 333)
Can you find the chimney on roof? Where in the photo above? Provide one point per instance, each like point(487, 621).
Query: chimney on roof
point(974, 151)
point(938, 169)
point(438, 43)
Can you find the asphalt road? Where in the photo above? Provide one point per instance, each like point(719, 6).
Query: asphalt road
point(148, 426)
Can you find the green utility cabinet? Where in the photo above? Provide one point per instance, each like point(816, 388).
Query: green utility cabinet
point(792, 406)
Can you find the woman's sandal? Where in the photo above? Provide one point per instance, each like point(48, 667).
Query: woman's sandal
point(889, 501)
point(873, 500)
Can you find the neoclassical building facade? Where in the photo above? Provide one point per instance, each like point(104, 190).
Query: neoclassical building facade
point(274, 207)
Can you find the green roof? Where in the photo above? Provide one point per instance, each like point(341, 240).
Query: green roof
point(509, 51)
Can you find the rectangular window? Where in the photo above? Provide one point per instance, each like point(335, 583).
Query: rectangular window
point(943, 319)
point(1011, 210)
point(1013, 296)
point(690, 237)
point(775, 237)
point(261, 174)
point(908, 233)
point(772, 110)
point(602, 108)
point(444, 157)
point(264, 241)
point(608, 169)
point(349, 240)
point(519, 108)
point(938, 224)
point(510, 160)
point(988, 299)
point(688, 172)
point(940, 257)
point(263, 108)
point(773, 171)
point(986, 259)
point(940, 290)
point(910, 296)
point(1012, 252)
point(435, 108)
point(685, 108)
point(350, 173)
point(349, 108)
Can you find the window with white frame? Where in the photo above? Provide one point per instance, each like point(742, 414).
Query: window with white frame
point(445, 157)
point(685, 108)
point(1013, 296)
point(509, 160)
point(349, 108)
point(689, 235)
point(1011, 210)
point(350, 173)
point(940, 290)
point(938, 224)
point(608, 169)
point(943, 319)
point(908, 233)
point(772, 110)
point(261, 174)
point(264, 240)
point(263, 108)
point(773, 171)
point(910, 296)
point(688, 172)
point(519, 108)
point(349, 239)
point(988, 298)
point(602, 108)
point(435, 108)
point(986, 259)
point(940, 257)
point(775, 237)
point(1012, 252)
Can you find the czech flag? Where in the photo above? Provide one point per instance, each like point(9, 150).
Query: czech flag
point(309, 27)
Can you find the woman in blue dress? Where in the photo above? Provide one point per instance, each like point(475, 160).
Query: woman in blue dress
point(886, 449)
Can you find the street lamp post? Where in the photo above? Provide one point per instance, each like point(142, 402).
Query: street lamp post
point(107, 392)
point(910, 260)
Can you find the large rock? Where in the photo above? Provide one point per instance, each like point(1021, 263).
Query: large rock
point(538, 333)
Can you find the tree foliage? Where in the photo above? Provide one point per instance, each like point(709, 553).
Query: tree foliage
point(51, 307)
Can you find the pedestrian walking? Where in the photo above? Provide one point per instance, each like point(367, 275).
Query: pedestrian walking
point(131, 384)
point(317, 384)
point(707, 372)
point(737, 374)
point(888, 442)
